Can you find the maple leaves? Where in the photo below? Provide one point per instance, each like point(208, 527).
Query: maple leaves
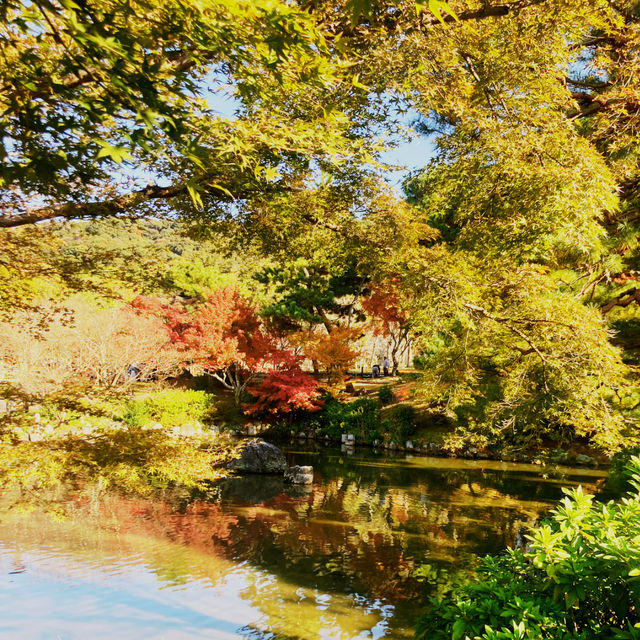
point(283, 392)
point(225, 338)
point(388, 318)
point(330, 351)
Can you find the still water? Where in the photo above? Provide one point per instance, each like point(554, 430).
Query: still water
point(352, 557)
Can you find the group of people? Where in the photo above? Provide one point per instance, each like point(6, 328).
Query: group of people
point(375, 370)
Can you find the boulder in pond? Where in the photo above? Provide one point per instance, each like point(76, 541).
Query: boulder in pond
point(585, 460)
point(299, 475)
point(257, 456)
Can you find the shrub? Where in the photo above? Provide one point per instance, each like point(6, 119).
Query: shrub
point(621, 471)
point(170, 407)
point(403, 417)
point(385, 395)
point(578, 580)
point(360, 417)
point(420, 362)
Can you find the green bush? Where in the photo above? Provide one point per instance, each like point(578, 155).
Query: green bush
point(621, 470)
point(136, 414)
point(578, 580)
point(403, 417)
point(385, 395)
point(360, 417)
point(421, 362)
point(170, 407)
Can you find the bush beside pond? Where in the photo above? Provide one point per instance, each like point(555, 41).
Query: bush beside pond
point(362, 418)
point(169, 407)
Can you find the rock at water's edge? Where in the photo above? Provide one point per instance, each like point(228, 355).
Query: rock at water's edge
point(257, 456)
point(299, 475)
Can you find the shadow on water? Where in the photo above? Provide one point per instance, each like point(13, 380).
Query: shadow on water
point(354, 556)
point(258, 489)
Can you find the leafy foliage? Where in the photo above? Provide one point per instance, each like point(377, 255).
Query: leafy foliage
point(384, 306)
point(133, 460)
point(95, 82)
point(403, 420)
point(385, 394)
point(332, 352)
point(522, 222)
point(170, 407)
point(222, 336)
point(284, 392)
point(360, 417)
point(511, 358)
point(578, 579)
point(82, 344)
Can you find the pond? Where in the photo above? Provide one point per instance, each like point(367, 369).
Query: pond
point(352, 557)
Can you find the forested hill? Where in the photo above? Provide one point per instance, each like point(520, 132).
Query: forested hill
point(126, 257)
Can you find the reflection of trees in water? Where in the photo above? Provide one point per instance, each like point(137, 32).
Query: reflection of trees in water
point(361, 531)
point(366, 529)
point(293, 612)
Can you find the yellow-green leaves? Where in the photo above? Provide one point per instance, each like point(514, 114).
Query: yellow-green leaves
point(195, 196)
point(436, 7)
point(364, 8)
point(117, 154)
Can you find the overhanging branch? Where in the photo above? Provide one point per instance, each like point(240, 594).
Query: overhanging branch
point(114, 206)
point(507, 323)
point(72, 210)
point(623, 300)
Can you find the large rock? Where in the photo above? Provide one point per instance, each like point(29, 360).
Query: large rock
point(257, 456)
point(299, 475)
point(583, 459)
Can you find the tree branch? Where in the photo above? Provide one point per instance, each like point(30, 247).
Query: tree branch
point(114, 206)
point(507, 323)
point(71, 210)
point(488, 11)
point(389, 20)
point(623, 300)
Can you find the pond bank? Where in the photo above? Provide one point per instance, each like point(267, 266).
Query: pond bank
point(349, 442)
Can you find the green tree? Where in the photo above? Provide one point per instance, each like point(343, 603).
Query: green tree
point(89, 87)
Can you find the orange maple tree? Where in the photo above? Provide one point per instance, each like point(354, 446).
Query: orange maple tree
point(334, 352)
point(388, 318)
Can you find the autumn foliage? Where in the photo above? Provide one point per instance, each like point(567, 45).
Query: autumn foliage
point(384, 306)
point(225, 338)
point(333, 352)
point(283, 392)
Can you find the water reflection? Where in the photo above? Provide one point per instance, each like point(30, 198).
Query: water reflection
point(351, 557)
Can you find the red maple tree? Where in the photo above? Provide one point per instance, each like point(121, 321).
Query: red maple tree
point(222, 337)
point(283, 392)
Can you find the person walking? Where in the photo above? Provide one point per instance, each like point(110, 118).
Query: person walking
point(385, 366)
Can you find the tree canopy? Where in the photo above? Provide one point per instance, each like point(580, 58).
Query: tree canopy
point(514, 250)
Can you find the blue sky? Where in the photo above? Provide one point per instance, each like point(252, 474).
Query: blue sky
point(411, 155)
